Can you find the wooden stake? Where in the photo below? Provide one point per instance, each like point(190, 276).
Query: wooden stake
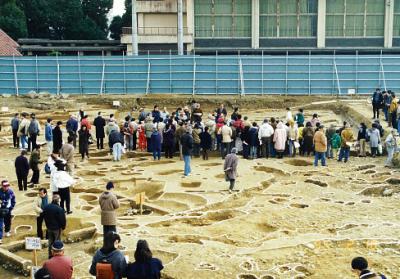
point(35, 261)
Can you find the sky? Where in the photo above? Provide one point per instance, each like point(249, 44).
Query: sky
point(118, 9)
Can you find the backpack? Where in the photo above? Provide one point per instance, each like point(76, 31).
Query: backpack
point(104, 270)
point(32, 127)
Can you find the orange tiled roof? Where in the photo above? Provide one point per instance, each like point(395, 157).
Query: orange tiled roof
point(8, 47)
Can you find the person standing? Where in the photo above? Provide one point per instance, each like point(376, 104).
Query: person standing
point(84, 142)
point(280, 136)
point(230, 168)
point(377, 99)
point(336, 143)
point(55, 220)
point(253, 140)
point(205, 143)
point(7, 204)
point(145, 266)
point(48, 135)
point(67, 153)
point(196, 140)
point(115, 142)
point(347, 137)
point(22, 170)
point(155, 114)
point(99, 123)
point(308, 136)
point(180, 131)
point(72, 128)
point(362, 138)
point(293, 135)
point(60, 183)
point(155, 142)
point(264, 135)
point(85, 122)
point(391, 146)
point(109, 254)
point(40, 203)
point(57, 138)
point(148, 129)
point(142, 137)
point(23, 130)
point(393, 111)
point(299, 117)
point(34, 161)
point(320, 143)
point(387, 99)
point(330, 132)
point(14, 127)
point(59, 266)
point(226, 133)
point(169, 140)
point(374, 139)
point(108, 204)
point(187, 147)
point(34, 131)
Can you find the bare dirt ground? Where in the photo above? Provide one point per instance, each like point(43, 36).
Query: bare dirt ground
point(288, 219)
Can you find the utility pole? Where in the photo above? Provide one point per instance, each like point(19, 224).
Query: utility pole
point(135, 50)
point(180, 27)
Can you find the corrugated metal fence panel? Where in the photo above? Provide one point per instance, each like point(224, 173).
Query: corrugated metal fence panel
point(264, 74)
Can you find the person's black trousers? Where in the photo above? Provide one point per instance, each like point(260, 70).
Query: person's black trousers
point(107, 228)
point(15, 138)
point(22, 182)
point(65, 196)
point(33, 139)
point(39, 223)
point(100, 143)
point(375, 108)
point(35, 176)
point(53, 236)
point(169, 151)
point(74, 136)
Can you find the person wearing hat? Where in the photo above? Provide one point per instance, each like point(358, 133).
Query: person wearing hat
point(54, 218)
point(72, 128)
point(22, 170)
point(320, 145)
point(7, 204)
point(57, 138)
point(108, 204)
point(59, 266)
point(391, 146)
point(230, 168)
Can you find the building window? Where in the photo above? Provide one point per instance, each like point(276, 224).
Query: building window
point(222, 18)
point(288, 18)
point(396, 23)
point(355, 18)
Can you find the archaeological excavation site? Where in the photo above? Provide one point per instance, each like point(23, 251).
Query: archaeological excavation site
point(285, 219)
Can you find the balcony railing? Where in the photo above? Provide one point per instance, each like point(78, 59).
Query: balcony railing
point(155, 31)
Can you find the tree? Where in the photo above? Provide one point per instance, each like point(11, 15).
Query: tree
point(12, 20)
point(116, 28)
point(97, 11)
point(37, 14)
point(127, 16)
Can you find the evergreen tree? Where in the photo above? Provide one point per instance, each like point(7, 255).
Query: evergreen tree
point(116, 28)
point(12, 19)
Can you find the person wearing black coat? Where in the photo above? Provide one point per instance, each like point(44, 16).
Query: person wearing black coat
point(169, 140)
point(57, 138)
point(22, 171)
point(99, 123)
point(187, 147)
point(84, 141)
point(244, 136)
point(205, 143)
point(54, 217)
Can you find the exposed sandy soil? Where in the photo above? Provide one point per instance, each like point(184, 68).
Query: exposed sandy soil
point(288, 219)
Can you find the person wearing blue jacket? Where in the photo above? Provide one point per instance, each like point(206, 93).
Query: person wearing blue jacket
point(7, 204)
point(156, 115)
point(253, 140)
point(48, 135)
point(72, 128)
point(14, 127)
point(109, 254)
point(155, 142)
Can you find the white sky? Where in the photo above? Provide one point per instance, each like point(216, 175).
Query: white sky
point(118, 9)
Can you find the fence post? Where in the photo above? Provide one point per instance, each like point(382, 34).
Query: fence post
point(309, 73)
point(148, 77)
point(382, 70)
point(216, 72)
point(102, 79)
point(333, 72)
point(37, 76)
point(194, 76)
point(242, 92)
point(286, 73)
point(58, 76)
point(124, 66)
point(337, 77)
point(262, 72)
point(170, 72)
point(15, 77)
point(80, 74)
point(356, 71)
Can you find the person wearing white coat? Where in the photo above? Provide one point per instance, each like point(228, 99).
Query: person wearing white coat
point(60, 181)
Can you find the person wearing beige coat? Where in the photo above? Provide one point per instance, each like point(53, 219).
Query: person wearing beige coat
point(108, 204)
point(320, 145)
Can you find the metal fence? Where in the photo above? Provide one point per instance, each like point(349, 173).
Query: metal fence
point(193, 74)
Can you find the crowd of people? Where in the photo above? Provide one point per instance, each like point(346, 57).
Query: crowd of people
point(187, 131)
